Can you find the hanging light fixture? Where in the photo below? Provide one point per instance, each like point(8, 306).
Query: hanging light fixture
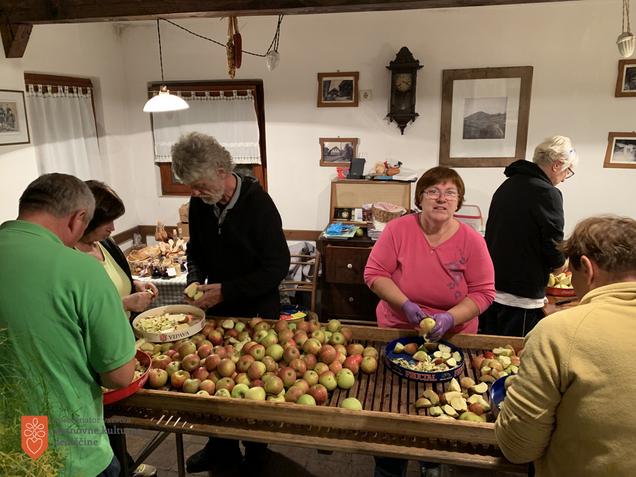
point(164, 101)
point(626, 41)
point(272, 57)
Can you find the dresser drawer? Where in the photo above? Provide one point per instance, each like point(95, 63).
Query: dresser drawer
point(346, 264)
point(350, 300)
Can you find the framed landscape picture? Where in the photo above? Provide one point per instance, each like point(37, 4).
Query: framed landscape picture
point(621, 150)
point(337, 151)
point(626, 80)
point(337, 89)
point(14, 128)
point(485, 113)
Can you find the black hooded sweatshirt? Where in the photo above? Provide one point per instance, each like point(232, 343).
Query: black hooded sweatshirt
point(247, 253)
point(525, 223)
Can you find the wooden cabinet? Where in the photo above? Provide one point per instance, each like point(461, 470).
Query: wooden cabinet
point(343, 293)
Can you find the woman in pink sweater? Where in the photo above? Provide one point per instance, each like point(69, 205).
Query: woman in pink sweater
point(430, 264)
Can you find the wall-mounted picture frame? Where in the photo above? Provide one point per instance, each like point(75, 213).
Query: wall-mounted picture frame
point(338, 90)
point(485, 113)
point(14, 126)
point(621, 150)
point(626, 78)
point(337, 151)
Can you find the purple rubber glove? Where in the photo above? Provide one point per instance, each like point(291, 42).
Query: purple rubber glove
point(443, 323)
point(413, 312)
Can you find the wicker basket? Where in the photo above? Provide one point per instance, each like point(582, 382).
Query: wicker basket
point(381, 215)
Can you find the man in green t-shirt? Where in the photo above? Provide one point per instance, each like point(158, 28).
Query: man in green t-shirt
point(63, 330)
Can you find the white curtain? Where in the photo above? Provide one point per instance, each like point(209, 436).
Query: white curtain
point(64, 131)
point(231, 120)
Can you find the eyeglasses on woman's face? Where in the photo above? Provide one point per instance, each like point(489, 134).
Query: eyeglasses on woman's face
point(569, 173)
point(435, 194)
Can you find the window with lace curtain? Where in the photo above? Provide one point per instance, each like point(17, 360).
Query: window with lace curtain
point(62, 116)
point(230, 111)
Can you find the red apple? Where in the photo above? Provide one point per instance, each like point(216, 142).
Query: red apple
point(270, 363)
point(273, 385)
point(369, 365)
point(191, 386)
point(310, 360)
point(319, 393)
point(321, 368)
point(198, 339)
point(354, 348)
point(216, 337)
point(347, 333)
point(226, 367)
point(299, 366)
point(161, 361)
point(312, 346)
point(201, 373)
point(285, 335)
point(328, 354)
point(220, 351)
point(178, 378)
point(204, 350)
point(335, 367)
point(256, 370)
point(370, 351)
point(190, 362)
point(212, 361)
point(353, 363)
point(288, 375)
point(281, 325)
point(225, 383)
point(186, 348)
point(300, 337)
point(293, 393)
point(303, 384)
point(290, 354)
point(302, 326)
point(257, 351)
point(207, 385)
point(157, 377)
point(244, 363)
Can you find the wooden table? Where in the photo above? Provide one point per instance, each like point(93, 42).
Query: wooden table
point(389, 425)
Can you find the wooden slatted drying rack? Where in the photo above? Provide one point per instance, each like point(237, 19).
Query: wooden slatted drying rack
point(389, 425)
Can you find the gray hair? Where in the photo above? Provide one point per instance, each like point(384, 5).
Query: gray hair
point(196, 156)
point(57, 194)
point(556, 149)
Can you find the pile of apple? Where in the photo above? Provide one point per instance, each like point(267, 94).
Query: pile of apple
point(461, 400)
point(494, 364)
point(287, 362)
point(464, 399)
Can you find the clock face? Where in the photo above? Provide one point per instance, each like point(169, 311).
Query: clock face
point(403, 82)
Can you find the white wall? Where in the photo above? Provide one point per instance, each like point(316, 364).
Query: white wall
point(571, 46)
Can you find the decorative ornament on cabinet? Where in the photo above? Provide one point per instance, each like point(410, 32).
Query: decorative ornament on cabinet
point(403, 88)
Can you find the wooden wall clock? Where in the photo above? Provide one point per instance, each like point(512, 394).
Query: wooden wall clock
point(403, 82)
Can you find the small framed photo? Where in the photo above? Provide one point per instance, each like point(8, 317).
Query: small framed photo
point(626, 80)
point(337, 151)
point(337, 90)
point(14, 127)
point(621, 150)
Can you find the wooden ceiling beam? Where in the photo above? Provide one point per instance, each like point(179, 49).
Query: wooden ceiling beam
point(77, 11)
point(15, 38)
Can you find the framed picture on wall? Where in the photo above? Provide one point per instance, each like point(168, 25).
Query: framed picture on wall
point(337, 151)
point(485, 114)
point(626, 80)
point(621, 150)
point(14, 127)
point(336, 90)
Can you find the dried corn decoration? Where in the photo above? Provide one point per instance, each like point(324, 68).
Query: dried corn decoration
point(233, 47)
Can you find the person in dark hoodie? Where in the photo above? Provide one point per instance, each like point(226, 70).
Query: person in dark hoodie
point(237, 255)
point(525, 224)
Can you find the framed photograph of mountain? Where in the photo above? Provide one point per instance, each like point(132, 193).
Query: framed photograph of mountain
point(485, 114)
point(337, 151)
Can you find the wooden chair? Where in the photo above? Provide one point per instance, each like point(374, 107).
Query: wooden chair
point(304, 286)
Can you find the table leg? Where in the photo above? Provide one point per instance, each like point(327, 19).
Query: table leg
point(118, 443)
point(180, 454)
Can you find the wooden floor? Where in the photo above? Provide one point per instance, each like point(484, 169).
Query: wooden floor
point(287, 461)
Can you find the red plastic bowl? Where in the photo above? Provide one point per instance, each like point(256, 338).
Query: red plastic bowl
point(560, 291)
point(115, 395)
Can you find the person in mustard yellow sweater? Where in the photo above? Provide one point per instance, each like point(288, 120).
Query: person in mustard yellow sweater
point(569, 409)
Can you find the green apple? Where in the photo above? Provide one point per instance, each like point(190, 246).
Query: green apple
point(352, 404)
point(307, 400)
point(222, 393)
point(345, 379)
point(240, 391)
point(256, 394)
point(275, 351)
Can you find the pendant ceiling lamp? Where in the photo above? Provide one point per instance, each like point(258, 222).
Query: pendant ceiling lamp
point(626, 41)
point(164, 101)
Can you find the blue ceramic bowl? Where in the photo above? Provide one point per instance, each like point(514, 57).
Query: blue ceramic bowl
point(498, 393)
point(425, 376)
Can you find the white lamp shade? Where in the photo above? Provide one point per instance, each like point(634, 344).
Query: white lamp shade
point(163, 102)
point(626, 44)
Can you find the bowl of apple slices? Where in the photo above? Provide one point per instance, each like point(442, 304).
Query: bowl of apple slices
point(169, 323)
point(142, 367)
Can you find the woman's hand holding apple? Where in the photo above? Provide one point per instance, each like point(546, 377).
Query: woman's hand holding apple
point(138, 302)
point(212, 296)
